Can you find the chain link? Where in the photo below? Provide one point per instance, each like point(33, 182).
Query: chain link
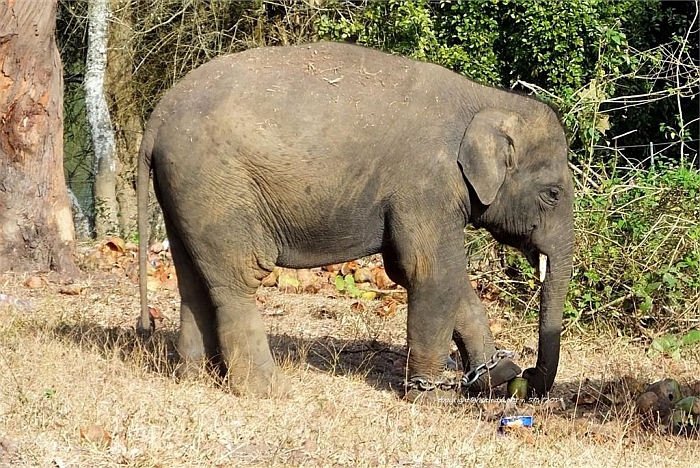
point(424, 385)
point(473, 375)
point(447, 384)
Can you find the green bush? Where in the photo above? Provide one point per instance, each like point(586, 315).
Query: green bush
point(636, 258)
point(578, 53)
point(638, 247)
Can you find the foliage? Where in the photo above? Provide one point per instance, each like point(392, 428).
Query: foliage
point(638, 248)
point(638, 244)
point(578, 53)
point(173, 37)
point(636, 258)
point(671, 345)
point(346, 284)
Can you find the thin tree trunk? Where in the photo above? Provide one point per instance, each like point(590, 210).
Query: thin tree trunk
point(105, 163)
point(119, 91)
point(36, 226)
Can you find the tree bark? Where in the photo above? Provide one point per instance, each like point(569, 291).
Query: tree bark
point(105, 164)
point(119, 92)
point(36, 227)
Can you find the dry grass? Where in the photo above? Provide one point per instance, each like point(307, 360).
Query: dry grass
point(73, 361)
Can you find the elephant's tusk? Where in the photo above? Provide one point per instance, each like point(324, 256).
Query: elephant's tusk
point(543, 267)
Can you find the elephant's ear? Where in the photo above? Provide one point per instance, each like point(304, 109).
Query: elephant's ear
point(487, 151)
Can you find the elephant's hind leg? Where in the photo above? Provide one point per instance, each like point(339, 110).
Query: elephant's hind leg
point(197, 341)
point(243, 342)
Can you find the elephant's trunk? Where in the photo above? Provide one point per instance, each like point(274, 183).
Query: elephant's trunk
point(552, 297)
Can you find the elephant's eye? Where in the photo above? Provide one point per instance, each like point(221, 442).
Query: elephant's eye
point(551, 195)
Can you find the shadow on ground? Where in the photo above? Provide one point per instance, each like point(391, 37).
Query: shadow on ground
point(381, 365)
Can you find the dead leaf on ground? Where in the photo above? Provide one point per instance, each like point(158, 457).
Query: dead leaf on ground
point(287, 282)
point(96, 434)
point(156, 314)
point(363, 275)
point(271, 280)
point(328, 290)
point(34, 282)
point(488, 292)
point(333, 268)
point(156, 247)
point(357, 307)
point(387, 307)
point(309, 281)
point(115, 244)
point(71, 289)
point(381, 279)
point(497, 325)
point(348, 268)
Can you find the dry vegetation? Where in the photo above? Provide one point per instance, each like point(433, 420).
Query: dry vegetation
point(78, 389)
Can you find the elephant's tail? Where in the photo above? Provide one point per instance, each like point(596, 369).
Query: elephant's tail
point(144, 327)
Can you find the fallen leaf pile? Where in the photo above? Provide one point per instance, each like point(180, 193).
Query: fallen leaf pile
point(121, 258)
point(362, 279)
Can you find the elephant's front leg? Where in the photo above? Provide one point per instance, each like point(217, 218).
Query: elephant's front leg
point(431, 264)
point(430, 319)
point(475, 342)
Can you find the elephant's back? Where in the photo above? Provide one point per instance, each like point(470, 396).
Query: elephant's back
point(295, 99)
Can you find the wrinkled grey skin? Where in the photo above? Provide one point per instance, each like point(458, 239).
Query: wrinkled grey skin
point(319, 154)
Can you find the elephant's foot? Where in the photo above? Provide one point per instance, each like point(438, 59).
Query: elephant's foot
point(503, 372)
point(192, 369)
point(258, 384)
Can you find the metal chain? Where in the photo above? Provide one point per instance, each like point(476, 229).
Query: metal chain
point(424, 385)
point(446, 384)
point(473, 375)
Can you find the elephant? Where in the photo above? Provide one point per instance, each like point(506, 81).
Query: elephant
point(308, 155)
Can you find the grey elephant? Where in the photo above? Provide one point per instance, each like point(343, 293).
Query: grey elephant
point(317, 154)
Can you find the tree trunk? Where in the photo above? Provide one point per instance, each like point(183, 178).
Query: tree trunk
point(105, 164)
point(119, 91)
point(36, 226)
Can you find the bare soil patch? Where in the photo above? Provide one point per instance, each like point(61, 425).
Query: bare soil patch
point(77, 388)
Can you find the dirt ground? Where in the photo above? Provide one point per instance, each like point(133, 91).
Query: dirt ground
point(78, 389)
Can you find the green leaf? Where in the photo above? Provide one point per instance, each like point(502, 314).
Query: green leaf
point(657, 345)
point(349, 281)
point(669, 279)
point(339, 283)
point(692, 337)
